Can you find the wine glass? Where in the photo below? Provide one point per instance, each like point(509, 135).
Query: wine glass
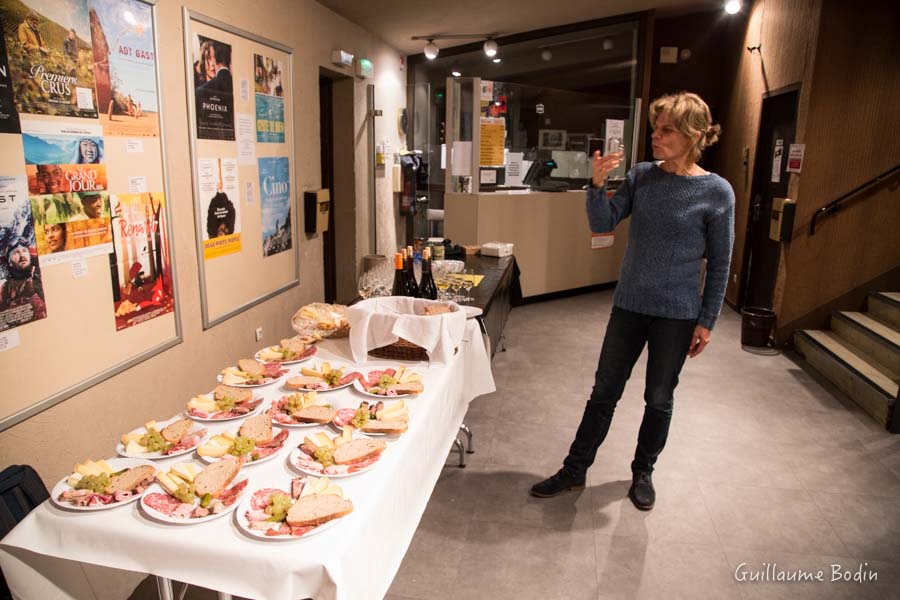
point(366, 285)
point(468, 282)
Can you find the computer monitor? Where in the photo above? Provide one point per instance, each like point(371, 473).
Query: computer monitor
point(538, 171)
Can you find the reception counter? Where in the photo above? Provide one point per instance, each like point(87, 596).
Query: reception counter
point(550, 232)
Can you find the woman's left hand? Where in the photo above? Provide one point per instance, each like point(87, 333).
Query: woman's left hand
point(698, 341)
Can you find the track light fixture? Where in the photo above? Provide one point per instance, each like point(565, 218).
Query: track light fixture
point(490, 48)
point(431, 50)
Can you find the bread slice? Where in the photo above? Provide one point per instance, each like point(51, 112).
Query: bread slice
point(410, 387)
point(317, 509)
point(258, 428)
point(175, 431)
point(315, 414)
point(251, 367)
point(357, 450)
point(130, 479)
point(302, 382)
point(216, 477)
point(293, 344)
point(392, 427)
point(239, 394)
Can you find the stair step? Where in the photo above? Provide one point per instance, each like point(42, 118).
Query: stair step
point(886, 307)
point(845, 366)
point(875, 339)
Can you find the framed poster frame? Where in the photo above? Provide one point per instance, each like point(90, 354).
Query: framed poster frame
point(211, 320)
point(7, 421)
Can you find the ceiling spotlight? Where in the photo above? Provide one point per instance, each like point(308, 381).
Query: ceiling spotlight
point(608, 44)
point(431, 50)
point(546, 55)
point(496, 60)
point(456, 73)
point(490, 48)
point(733, 7)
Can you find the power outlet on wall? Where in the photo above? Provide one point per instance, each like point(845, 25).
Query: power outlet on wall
point(258, 333)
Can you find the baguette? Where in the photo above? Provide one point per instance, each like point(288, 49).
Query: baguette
point(314, 414)
point(258, 428)
point(251, 367)
point(130, 479)
point(392, 427)
point(240, 395)
point(216, 477)
point(173, 432)
point(357, 451)
point(315, 510)
point(410, 387)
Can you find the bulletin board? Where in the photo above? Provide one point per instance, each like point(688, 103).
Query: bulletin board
point(241, 121)
point(87, 272)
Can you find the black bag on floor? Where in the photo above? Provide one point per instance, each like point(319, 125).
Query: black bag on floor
point(21, 489)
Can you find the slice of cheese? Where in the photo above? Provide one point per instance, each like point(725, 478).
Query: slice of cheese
point(319, 440)
point(333, 490)
point(73, 479)
point(186, 471)
point(166, 481)
point(270, 353)
point(202, 402)
point(347, 433)
point(399, 374)
point(410, 377)
point(326, 368)
point(311, 373)
point(151, 425)
point(232, 379)
point(134, 448)
point(216, 447)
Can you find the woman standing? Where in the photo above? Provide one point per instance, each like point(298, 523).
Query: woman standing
point(679, 213)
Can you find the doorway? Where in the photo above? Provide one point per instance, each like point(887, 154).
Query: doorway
point(777, 128)
point(337, 166)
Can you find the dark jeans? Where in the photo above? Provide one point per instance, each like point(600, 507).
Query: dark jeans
point(667, 342)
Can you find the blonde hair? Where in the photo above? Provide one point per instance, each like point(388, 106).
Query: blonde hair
point(690, 115)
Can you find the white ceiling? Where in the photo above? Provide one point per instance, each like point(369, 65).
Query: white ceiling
point(396, 21)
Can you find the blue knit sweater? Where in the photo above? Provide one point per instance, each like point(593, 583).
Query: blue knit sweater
point(675, 219)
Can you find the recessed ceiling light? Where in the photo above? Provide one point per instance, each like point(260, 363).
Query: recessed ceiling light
point(456, 73)
point(496, 60)
point(733, 7)
point(546, 55)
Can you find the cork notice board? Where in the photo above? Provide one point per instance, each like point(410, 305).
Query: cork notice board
point(87, 279)
point(240, 103)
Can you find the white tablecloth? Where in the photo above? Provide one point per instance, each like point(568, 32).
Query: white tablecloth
point(355, 559)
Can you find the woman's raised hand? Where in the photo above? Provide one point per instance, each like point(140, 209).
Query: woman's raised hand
point(602, 166)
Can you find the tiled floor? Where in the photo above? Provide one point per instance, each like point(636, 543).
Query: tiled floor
point(766, 463)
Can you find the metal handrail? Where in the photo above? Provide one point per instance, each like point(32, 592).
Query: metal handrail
point(834, 206)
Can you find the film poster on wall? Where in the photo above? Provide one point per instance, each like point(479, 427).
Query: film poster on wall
point(124, 67)
point(140, 262)
point(50, 57)
point(269, 87)
point(213, 88)
point(220, 205)
point(21, 284)
point(275, 203)
point(67, 186)
point(9, 117)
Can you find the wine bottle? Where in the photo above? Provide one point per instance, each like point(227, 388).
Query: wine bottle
point(399, 276)
point(412, 289)
point(427, 287)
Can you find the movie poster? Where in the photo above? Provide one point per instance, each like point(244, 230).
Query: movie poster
point(21, 287)
point(67, 185)
point(9, 117)
point(267, 76)
point(220, 202)
point(213, 89)
point(50, 56)
point(140, 264)
point(275, 202)
point(124, 67)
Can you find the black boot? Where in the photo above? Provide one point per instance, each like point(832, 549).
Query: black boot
point(642, 493)
point(556, 484)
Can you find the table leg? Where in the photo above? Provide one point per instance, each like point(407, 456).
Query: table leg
point(465, 429)
point(462, 452)
point(164, 587)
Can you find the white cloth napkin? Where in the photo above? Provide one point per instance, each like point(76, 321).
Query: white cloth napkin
point(378, 322)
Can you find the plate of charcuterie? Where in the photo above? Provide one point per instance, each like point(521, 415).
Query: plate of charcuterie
point(374, 418)
point(256, 441)
point(251, 373)
point(103, 484)
point(188, 495)
point(343, 455)
point(322, 378)
point(389, 383)
point(288, 352)
point(302, 409)
point(163, 439)
point(225, 403)
point(311, 505)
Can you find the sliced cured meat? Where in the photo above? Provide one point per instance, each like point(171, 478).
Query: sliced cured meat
point(231, 494)
point(298, 531)
point(183, 511)
point(121, 495)
point(283, 529)
point(373, 378)
point(344, 416)
point(200, 414)
point(273, 369)
point(284, 419)
point(363, 464)
point(349, 377)
point(297, 485)
point(275, 442)
point(246, 407)
point(264, 452)
point(260, 498)
point(186, 442)
point(162, 503)
point(309, 464)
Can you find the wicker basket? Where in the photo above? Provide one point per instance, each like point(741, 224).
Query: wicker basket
point(400, 350)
